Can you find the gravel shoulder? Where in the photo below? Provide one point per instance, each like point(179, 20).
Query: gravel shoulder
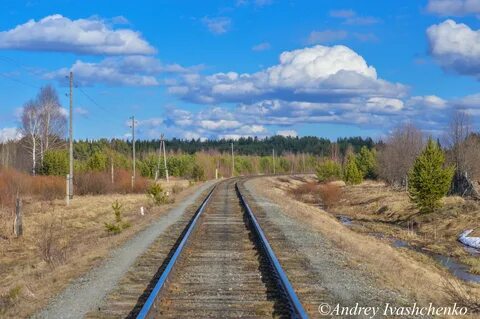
point(87, 292)
point(344, 282)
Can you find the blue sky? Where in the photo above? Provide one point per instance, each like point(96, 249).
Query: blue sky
point(210, 69)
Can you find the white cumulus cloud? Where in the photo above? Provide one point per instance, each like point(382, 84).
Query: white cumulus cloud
point(318, 73)
point(135, 70)
point(456, 47)
point(82, 36)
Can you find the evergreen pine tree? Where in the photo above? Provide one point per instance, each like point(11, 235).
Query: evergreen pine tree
point(367, 162)
point(429, 180)
point(352, 174)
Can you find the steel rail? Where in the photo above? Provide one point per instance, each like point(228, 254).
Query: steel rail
point(297, 308)
point(150, 303)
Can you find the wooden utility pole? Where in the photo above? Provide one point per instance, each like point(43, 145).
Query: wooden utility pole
point(18, 223)
point(133, 151)
point(273, 160)
point(70, 131)
point(67, 187)
point(233, 162)
point(303, 162)
point(165, 159)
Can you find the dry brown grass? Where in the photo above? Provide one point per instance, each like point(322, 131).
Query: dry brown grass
point(14, 183)
point(330, 194)
point(61, 243)
point(380, 209)
point(413, 274)
point(312, 192)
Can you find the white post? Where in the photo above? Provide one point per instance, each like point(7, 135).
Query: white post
point(68, 190)
point(216, 173)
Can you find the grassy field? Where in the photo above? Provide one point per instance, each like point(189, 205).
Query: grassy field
point(60, 243)
point(390, 213)
point(380, 209)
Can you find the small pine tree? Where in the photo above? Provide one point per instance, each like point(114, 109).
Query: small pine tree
point(352, 174)
point(429, 180)
point(367, 162)
point(328, 171)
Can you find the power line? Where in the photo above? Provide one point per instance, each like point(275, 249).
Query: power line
point(19, 81)
point(93, 100)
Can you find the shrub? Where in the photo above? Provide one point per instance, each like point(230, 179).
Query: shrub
point(198, 174)
point(55, 162)
point(429, 180)
point(13, 183)
point(352, 174)
point(330, 194)
point(307, 192)
point(156, 192)
point(177, 188)
point(329, 171)
point(98, 161)
point(52, 239)
point(118, 225)
point(92, 183)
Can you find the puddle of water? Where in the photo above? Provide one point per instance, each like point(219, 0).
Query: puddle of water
point(458, 269)
point(397, 243)
point(345, 220)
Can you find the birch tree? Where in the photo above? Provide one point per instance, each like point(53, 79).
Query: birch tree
point(31, 130)
point(53, 122)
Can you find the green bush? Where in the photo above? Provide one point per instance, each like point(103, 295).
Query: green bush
point(198, 173)
point(328, 171)
point(55, 162)
point(118, 225)
point(157, 194)
point(352, 174)
point(367, 162)
point(98, 161)
point(429, 180)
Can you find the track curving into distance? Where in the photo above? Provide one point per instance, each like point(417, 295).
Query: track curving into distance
point(223, 267)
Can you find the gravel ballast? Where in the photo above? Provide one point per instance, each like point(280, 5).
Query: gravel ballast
point(329, 265)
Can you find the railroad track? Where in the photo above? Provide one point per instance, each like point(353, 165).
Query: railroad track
point(223, 267)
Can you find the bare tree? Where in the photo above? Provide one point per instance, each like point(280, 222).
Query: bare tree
point(464, 152)
point(459, 130)
point(472, 156)
point(52, 121)
point(399, 152)
point(31, 130)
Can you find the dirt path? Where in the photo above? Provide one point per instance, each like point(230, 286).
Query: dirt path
point(86, 293)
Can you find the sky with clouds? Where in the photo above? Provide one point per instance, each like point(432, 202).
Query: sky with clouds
point(226, 69)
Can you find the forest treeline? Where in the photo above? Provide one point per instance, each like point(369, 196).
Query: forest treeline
point(43, 151)
point(252, 155)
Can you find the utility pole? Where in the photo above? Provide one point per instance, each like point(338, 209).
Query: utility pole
point(70, 192)
point(273, 160)
point(165, 159)
point(133, 151)
point(233, 162)
point(303, 163)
